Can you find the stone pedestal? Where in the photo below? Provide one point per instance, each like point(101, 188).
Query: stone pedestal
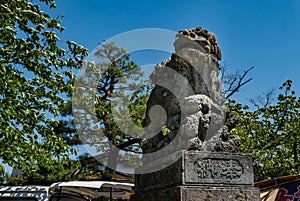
point(200, 176)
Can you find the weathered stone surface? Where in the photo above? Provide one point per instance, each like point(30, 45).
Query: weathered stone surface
point(201, 168)
point(217, 168)
point(199, 193)
point(198, 124)
point(219, 193)
point(188, 89)
point(205, 39)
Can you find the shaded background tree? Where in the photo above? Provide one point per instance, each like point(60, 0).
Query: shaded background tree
point(114, 86)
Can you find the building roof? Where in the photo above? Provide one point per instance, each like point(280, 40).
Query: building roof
point(94, 189)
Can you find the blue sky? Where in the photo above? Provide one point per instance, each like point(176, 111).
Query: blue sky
point(263, 34)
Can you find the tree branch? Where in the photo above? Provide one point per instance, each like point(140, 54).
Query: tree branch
point(237, 82)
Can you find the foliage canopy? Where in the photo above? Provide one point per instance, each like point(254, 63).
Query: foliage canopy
point(271, 134)
point(36, 73)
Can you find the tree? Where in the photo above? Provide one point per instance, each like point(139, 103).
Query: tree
point(36, 74)
point(271, 133)
point(113, 87)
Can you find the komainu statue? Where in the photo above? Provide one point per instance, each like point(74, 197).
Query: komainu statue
point(186, 105)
